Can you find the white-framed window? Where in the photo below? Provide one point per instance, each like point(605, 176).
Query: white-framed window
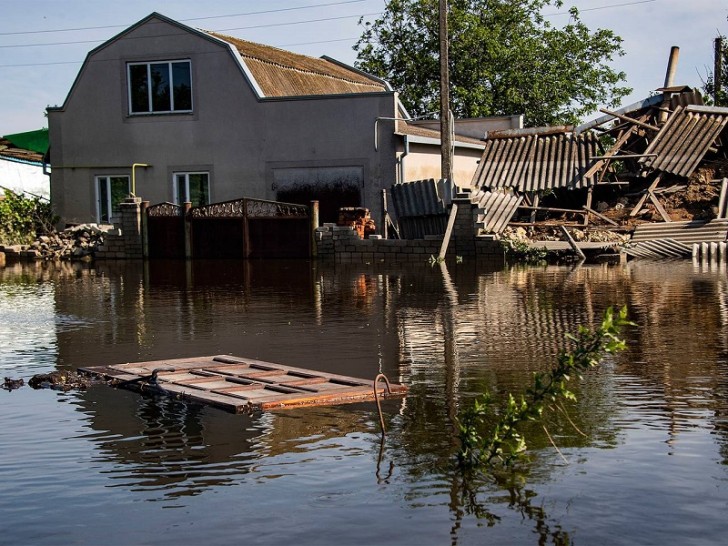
point(110, 192)
point(193, 187)
point(160, 87)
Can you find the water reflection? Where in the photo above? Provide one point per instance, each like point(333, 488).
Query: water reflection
point(448, 333)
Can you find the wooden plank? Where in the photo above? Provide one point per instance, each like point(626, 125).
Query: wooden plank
point(572, 243)
point(448, 231)
point(722, 205)
point(595, 213)
point(240, 385)
point(642, 199)
point(630, 120)
point(623, 138)
point(659, 207)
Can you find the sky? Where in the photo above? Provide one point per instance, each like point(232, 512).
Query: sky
point(43, 44)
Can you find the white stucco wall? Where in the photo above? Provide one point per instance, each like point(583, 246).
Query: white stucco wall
point(24, 178)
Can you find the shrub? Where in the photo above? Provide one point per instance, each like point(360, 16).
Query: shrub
point(22, 218)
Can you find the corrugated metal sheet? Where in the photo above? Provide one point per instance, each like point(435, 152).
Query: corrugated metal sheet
point(498, 209)
point(532, 163)
point(421, 207)
point(685, 139)
point(421, 197)
point(658, 248)
point(281, 73)
point(693, 231)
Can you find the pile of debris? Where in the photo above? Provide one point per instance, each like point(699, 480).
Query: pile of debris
point(63, 380)
point(359, 218)
point(661, 160)
point(78, 243)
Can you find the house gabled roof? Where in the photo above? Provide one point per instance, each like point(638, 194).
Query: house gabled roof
point(271, 72)
point(281, 73)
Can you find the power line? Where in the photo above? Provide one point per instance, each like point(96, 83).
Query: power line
point(602, 7)
point(626, 4)
point(280, 10)
point(23, 65)
point(298, 22)
point(249, 27)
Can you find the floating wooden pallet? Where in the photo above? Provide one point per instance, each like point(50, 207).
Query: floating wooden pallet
point(241, 385)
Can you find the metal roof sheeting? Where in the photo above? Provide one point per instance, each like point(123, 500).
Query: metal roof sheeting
point(421, 197)
point(658, 249)
point(421, 207)
point(535, 162)
point(499, 207)
point(281, 73)
point(685, 139)
point(687, 232)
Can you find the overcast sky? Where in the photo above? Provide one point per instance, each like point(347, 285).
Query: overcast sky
point(43, 44)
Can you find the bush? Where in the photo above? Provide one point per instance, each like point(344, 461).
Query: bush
point(22, 219)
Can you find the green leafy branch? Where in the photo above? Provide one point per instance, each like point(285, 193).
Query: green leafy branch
point(506, 443)
point(523, 252)
point(23, 218)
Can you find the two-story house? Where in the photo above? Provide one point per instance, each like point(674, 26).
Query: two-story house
point(176, 114)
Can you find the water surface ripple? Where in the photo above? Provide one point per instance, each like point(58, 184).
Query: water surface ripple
point(643, 454)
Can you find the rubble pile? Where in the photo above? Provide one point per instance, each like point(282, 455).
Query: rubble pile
point(62, 380)
point(660, 160)
point(78, 243)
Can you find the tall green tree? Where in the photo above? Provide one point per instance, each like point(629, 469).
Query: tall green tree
point(505, 59)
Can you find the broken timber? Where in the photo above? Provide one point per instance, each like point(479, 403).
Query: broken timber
point(241, 385)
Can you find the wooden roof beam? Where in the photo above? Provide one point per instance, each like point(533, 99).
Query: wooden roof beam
point(629, 119)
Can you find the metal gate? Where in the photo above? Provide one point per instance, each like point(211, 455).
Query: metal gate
point(242, 228)
point(165, 231)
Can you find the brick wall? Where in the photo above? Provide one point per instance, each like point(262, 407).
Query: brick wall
point(342, 244)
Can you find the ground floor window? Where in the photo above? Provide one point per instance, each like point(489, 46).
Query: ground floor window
point(192, 187)
point(110, 191)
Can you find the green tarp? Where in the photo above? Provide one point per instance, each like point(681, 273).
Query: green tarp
point(36, 141)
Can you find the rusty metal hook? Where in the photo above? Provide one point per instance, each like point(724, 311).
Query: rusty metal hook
point(376, 398)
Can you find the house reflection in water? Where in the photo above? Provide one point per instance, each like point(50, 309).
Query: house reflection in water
point(447, 334)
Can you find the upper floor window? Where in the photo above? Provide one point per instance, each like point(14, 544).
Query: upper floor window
point(160, 87)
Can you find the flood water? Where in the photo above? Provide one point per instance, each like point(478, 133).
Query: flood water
point(644, 451)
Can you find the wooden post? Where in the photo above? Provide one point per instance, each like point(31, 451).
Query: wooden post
point(644, 197)
point(186, 206)
point(385, 216)
point(536, 201)
point(448, 231)
point(722, 205)
point(445, 121)
point(572, 243)
point(587, 207)
point(246, 231)
point(145, 230)
point(314, 225)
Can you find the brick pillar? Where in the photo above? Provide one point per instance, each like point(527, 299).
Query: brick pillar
point(131, 227)
point(464, 229)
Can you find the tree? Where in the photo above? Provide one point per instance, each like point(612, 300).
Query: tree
point(505, 59)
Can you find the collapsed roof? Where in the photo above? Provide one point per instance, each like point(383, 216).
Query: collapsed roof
point(668, 136)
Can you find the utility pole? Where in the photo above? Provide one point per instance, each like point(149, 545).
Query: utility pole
point(718, 69)
point(445, 120)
